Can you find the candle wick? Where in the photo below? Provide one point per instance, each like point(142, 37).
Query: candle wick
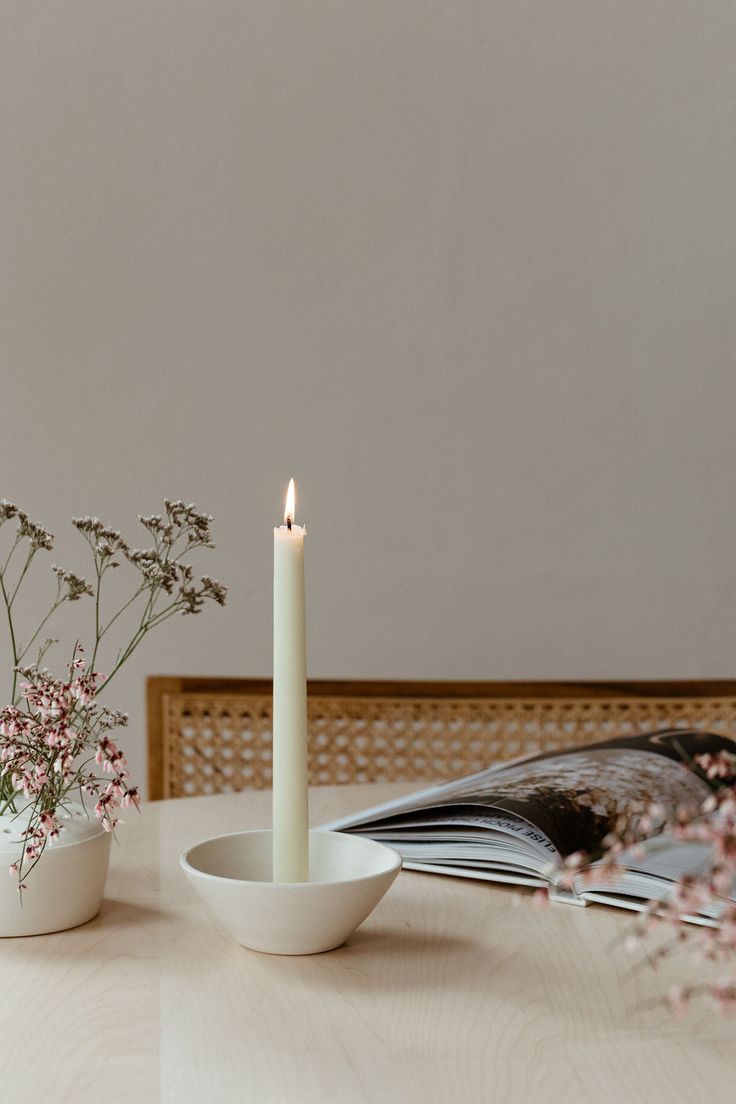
point(288, 522)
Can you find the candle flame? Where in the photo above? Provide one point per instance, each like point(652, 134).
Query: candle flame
point(290, 503)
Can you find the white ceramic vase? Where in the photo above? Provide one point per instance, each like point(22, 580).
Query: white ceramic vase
point(65, 887)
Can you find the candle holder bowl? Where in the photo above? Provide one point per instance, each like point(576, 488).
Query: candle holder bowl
point(348, 877)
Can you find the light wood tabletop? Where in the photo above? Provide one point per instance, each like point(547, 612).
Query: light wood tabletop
point(451, 990)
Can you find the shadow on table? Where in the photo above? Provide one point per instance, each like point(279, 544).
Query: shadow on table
point(390, 957)
point(90, 939)
point(123, 913)
point(405, 961)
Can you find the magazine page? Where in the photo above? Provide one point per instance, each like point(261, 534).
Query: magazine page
point(424, 799)
point(503, 843)
point(572, 797)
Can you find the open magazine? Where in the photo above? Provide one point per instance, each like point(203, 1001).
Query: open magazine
point(514, 822)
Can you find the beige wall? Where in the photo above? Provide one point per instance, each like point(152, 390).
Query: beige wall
point(465, 269)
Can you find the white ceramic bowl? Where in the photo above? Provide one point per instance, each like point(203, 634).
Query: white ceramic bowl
point(348, 877)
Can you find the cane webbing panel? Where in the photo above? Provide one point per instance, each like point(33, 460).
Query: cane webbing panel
point(214, 743)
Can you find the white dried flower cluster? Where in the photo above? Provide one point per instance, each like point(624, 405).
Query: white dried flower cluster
point(103, 540)
point(214, 590)
point(193, 595)
point(112, 718)
point(35, 533)
point(76, 586)
point(179, 519)
point(177, 578)
point(155, 569)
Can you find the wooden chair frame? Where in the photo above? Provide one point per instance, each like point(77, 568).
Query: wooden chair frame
point(703, 703)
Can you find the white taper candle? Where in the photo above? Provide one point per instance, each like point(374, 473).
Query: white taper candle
point(290, 800)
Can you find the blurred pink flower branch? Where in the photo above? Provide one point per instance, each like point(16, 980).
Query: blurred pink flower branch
point(660, 929)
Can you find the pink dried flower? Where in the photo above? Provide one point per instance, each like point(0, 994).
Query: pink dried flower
point(678, 998)
point(724, 992)
point(540, 898)
point(131, 797)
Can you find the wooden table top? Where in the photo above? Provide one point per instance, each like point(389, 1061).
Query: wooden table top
point(451, 990)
